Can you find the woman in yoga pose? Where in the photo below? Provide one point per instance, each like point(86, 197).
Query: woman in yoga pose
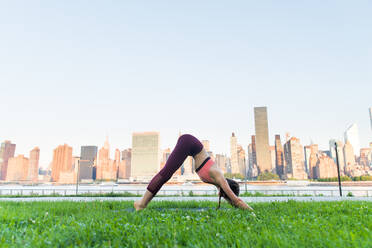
point(207, 170)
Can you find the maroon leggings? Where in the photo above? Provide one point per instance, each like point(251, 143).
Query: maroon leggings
point(187, 145)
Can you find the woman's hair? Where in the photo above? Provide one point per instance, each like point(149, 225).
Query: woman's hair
point(234, 186)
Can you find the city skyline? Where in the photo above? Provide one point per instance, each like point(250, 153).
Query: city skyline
point(109, 148)
point(46, 159)
point(145, 158)
point(146, 67)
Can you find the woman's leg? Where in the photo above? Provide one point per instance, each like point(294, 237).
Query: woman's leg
point(187, 145)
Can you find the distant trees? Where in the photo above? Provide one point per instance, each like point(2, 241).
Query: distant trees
point(267, 176)
point(234, 175)
point(346, 178)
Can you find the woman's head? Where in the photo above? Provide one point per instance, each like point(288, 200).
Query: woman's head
point(234, 186)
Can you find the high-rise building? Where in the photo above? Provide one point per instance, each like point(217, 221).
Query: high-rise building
point(18, 169)
point(146, 154)
point(241, 161)
point(262, 139)
point(279, 158)
point(221, 162)
point(33, 171)
point(62, 162)
point(364, 159)
point(294, 154)
point(340, 155)
point(349, 156)
point(250, 159)
point(234, 154)
point(307, 153)
point(125, 165)
point(106, 167)
point(117, 161)
point(88, 157)
point(326, 167)
point(273, 159)
point(352, 135)
point(254, 154)
point(313, 161)
point(332, 148)
point(7, 151)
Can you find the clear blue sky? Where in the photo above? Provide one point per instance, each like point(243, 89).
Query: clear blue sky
point(72, 71)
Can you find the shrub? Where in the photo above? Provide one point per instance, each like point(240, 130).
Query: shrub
point(334, 179)
point(268, 176)
point(234, 176)
point(350, 194)
point(363, 178)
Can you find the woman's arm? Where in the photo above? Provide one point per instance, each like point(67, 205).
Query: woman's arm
point(220, 181)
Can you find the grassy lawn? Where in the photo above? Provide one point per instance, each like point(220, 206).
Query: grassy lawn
point(185, 224)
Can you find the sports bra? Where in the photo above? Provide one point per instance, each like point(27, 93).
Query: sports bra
point(203, 170)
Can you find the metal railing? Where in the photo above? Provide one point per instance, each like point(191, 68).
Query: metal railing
point(180, 192)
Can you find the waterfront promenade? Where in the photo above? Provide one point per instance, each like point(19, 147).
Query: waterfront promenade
point(187, 198)
point(182, 190)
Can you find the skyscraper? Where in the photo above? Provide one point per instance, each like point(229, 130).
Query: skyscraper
point(125, 166)
point(340, 155)
point(352, 135)
point(62, 161)
point(221, 162)
point(349, 156)
point(6, 151)
point(18, 169)
point(145, 154)
point(313, 161)
point(307, 153)
point(106, 167)
point(33, 171)
point(234, 154)
point(295, 159)
point(88, 156)
point(262, 139)
point(241, 161)
point(279, 157)
point(273, 159)
point(254, 154)
point(326, 167)
point(332, 148)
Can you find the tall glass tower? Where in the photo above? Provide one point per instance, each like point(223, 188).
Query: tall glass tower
point(352, 135)
point(262, 139)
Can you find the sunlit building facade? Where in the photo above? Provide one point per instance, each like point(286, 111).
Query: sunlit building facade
point(262, 139)
point(146, 154)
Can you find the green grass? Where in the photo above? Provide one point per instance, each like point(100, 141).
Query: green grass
point(128, 194)
point(185, 224)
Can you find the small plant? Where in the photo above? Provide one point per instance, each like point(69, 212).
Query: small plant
point(350, 194)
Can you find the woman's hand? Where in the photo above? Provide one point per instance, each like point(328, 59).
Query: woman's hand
point(239, 203)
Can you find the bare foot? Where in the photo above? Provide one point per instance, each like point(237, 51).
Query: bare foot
point(138, 206)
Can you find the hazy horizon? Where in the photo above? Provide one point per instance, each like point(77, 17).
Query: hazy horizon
point(74, 72)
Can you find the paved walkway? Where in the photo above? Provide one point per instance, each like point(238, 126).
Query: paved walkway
point(195, 198)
